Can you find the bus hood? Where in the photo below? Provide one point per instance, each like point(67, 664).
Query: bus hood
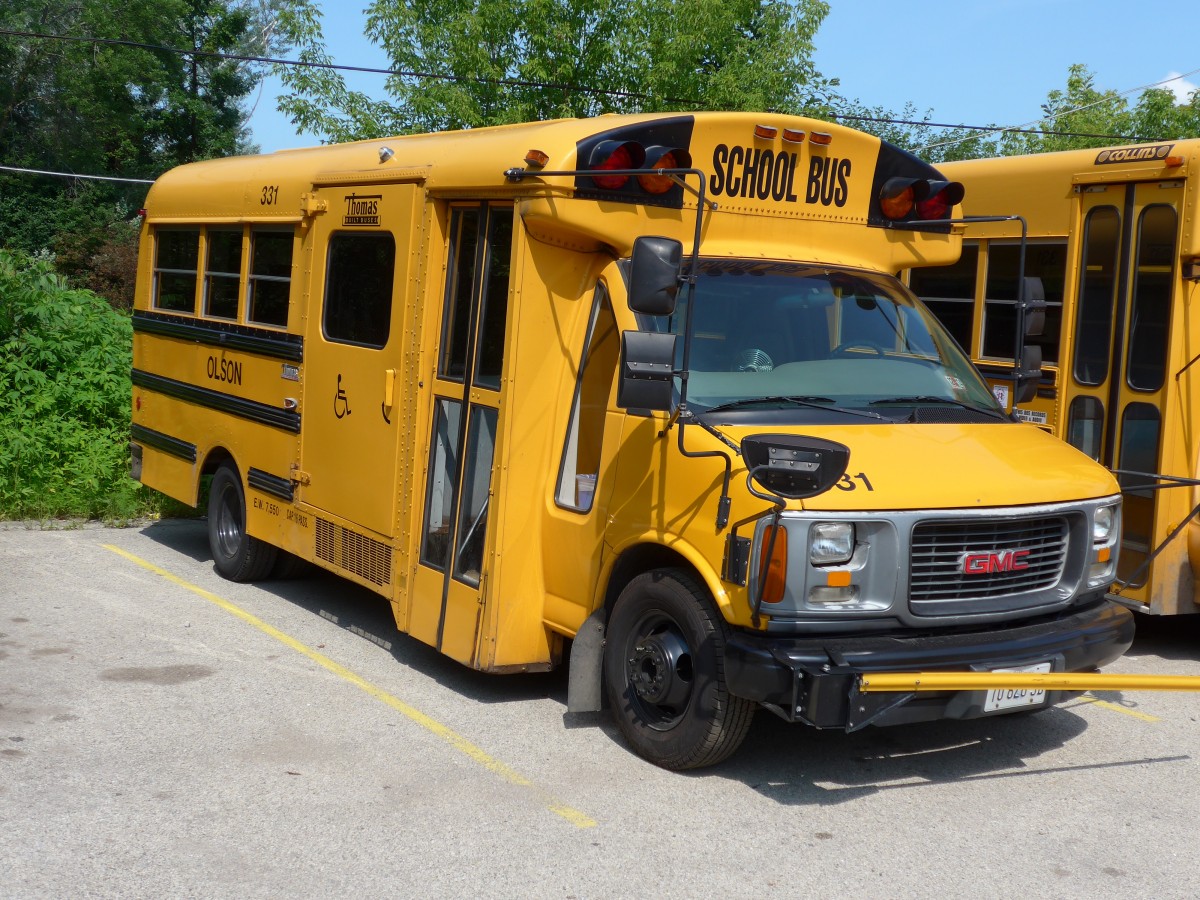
point(905, 466)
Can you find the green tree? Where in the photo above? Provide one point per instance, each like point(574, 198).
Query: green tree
point(496, 62)
point(116, 110)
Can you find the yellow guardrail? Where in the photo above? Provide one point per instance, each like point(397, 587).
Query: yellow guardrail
point(879, 682)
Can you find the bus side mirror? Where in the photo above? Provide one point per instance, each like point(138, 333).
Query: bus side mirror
point(1035, 307)
point(795, 466)
point(1026, 378)
point(647, 370)
point(654, 275)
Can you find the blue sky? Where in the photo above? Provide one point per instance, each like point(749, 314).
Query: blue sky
point(962, 61)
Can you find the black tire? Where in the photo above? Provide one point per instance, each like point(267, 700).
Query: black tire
point(237, 555)
point(664, 671)
point(288, 565)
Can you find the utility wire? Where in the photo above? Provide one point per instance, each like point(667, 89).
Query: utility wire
point(632, 95)
point(1065, 112)
point(73, 175)
point(306, 64)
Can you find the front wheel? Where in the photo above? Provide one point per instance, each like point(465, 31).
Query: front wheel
point(237, 555)
point(664, 670)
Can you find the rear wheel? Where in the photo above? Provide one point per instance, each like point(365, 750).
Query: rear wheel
point(664, 670)
point(237, 555)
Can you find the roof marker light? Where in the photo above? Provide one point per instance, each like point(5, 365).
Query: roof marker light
point(821, 137)
point(1173, 162)
point(766, 132)
point(536, 159)
point(793, 136)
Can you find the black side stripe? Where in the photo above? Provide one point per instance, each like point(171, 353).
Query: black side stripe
point(164, 442)
point(228, 336)
point(271, 484)
point(264, 414)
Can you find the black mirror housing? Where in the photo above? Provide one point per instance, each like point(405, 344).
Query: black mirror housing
point(654, 274)
point(1026, 378)
point(795, 466)
point(1035, 307)
point(647, 371)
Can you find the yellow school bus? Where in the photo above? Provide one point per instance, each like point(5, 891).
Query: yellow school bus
point(646, 386)
point(1113, 245)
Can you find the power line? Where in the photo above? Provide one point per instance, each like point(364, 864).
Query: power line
point(307, 64)
point(1118, 137)
point(73, 175)
point(1065, 112)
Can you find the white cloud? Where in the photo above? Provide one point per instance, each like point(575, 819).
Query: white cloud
point(1181, 88)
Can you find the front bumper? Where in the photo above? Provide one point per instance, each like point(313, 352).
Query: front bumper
point(815, 679)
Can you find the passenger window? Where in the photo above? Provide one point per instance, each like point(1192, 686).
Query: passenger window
point(949, 292)
point(580, 467)
point(1045, 261)
point(222, 272)
point(177, 252)
point(270, 277)
point(358, 288)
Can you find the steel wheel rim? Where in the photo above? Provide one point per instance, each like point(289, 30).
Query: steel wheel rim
point(659, 671)
point(229, 523)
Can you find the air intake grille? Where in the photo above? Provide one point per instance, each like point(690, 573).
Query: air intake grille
point(993, 559)
point(354, 552)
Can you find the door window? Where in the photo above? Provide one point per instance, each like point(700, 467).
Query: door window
point(358, 288)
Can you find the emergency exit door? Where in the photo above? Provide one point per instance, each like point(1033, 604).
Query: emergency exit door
point(1119, 374)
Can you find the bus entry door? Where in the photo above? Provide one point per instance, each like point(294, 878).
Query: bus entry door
point(1118, 386)
point(352, 362)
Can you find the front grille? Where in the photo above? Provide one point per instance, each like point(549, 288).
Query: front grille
point(1009, 559)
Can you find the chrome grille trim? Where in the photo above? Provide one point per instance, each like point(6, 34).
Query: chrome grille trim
point(939, 549)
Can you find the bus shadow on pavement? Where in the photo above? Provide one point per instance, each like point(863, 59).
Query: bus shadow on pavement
point(796, 765)
point(369, 616)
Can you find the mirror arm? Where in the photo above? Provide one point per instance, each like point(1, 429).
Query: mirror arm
point(724, 503)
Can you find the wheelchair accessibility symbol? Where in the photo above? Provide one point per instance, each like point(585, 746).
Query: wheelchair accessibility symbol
point(341, 403)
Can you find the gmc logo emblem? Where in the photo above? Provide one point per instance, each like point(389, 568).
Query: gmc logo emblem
point(988, 563)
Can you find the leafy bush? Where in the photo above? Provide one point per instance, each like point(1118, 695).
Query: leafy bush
point(65, 357)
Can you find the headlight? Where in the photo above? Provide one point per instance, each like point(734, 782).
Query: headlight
point(830, 543)
point(1103, 524)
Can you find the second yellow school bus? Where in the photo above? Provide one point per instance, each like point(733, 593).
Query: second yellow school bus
point(1113, 244)
point(647, 384)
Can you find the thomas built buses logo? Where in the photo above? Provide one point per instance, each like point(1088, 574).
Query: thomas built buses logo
point(362, 211)
point(1134, 154)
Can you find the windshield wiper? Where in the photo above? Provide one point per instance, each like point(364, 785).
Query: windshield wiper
point(806, 401)
point(922, 400)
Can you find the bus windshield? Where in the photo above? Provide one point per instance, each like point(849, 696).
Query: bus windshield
point(774, 335)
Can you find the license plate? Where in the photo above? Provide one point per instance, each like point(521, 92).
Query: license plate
point(1014, 698)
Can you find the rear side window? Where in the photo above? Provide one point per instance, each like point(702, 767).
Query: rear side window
point(176, 257)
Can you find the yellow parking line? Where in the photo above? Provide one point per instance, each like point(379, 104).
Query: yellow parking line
point(455, 740)
point(1145, 717)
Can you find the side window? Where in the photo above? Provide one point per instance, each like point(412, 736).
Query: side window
point(1045, 261)
point(270, 277)
point(1097, 295)
point(358, 288)
point(222, 272)
point(176, 255)
point(949, 292)
point(585, 429)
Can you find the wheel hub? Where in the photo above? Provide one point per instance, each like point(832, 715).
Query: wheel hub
point(660, 671)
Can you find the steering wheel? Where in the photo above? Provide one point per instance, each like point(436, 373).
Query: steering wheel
point(841, 349)
point(753, 360)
